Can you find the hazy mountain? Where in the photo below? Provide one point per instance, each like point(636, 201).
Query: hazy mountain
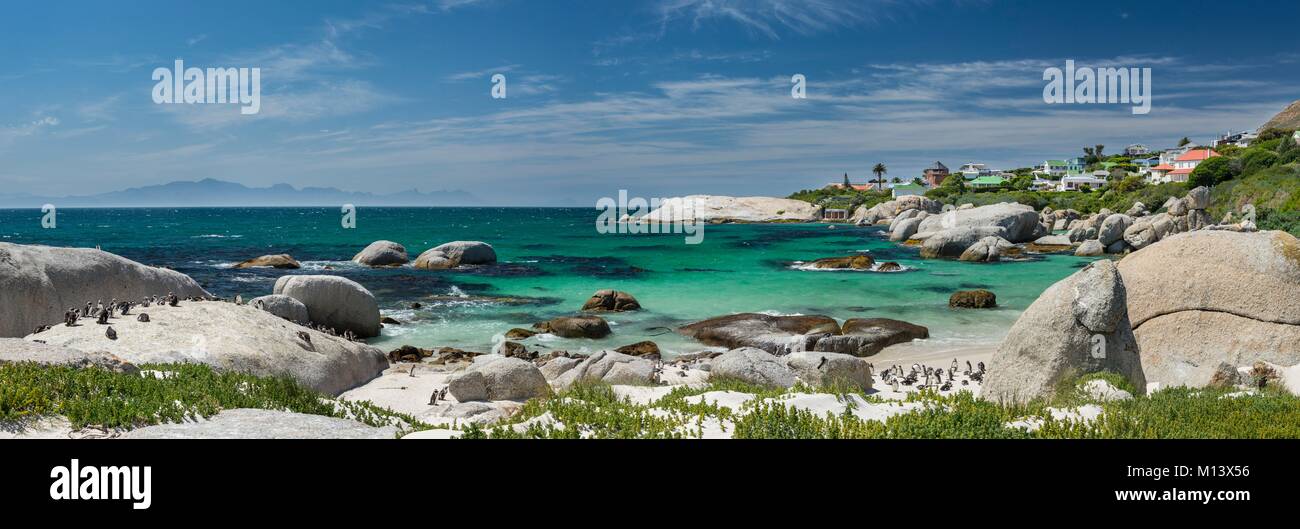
point(212, 192)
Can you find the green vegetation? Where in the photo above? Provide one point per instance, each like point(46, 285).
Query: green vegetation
point(164, 393)
point(595, 411)
point(840, 198)
point(1119, 197)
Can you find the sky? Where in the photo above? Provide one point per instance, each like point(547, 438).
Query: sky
point(658, 97)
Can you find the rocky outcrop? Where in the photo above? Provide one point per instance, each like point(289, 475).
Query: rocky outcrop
point(852, 262)
point(382, 253)
point(753, 366)
point(38, 284)
point(954, 242)
point(819, 369)
point(868, 336)
point(986, 250)
point(14, 350)
point(229, 337)
point(724, 209)
point(284, 307)
point(1079, 325)
point(775, 334)
point(1197, 299)
point(1090, 248)
point(585, 326)
point(1112, 229)
point(1016, 223)
point(456, 253)
point(611, 301)
point(605, 366)
point(781, 335)
point(333, 301)
point(282, 261)
point(493, 377)
point(973, 299)
point(894, 208)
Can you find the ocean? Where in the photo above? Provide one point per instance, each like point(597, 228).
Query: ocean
point(550, 261)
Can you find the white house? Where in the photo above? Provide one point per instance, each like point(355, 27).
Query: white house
point(1076, 182)
point(1137, 149)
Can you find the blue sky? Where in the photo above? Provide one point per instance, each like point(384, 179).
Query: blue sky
point(659, 97)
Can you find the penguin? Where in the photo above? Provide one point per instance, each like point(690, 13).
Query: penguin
point(822, 363)
point(433, 399)
point(239, 299)
point(103, 317)
point(305, 337)
point(111, 334)
point(143, 317)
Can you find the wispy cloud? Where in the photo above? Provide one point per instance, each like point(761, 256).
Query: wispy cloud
point(771, 18)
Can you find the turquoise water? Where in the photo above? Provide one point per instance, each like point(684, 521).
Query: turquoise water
point(551, 261)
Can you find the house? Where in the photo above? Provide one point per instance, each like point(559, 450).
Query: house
point(1240, 139)
point(934, 174)
point(1160, 173)
point(974, 170)
point(835, 214)
point(1076, 182)
point(1186, 163)
point(1060, 168)
point(1172, 153)
point(1042, 184)
point(986, 182)
point(903, 190)
point(1137, 149)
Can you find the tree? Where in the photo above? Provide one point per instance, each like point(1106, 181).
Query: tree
point(846, 182)
point(1184, 141)
point(1287, 143)
point(1212, 171)
point(880, 171)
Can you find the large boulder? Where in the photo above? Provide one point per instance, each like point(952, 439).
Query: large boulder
point(492, 377)
point(282, 261)
point(954, 242)
point(284, 307)
point(721, 209)
point(775, 334)
point(382, 253)
point(334, 301)
point(903, 230)
point(754, 366)
point(1198, 198)
point(1077, 326)
point(611, 301)
point(973, 299)
point(14, 350)
point(819, 369)
point(1090, 248)
point(605, 366)
point(1231, 297)
point(1112, 229)
point(986, 250)
point(229, 337)
point(38, 284)
point(456, 253)
point(1017, 222)
point(868, 336)
point(585, 326)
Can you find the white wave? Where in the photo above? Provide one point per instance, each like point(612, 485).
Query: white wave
point(456, 291)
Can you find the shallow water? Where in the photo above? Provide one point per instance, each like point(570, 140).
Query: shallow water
point(551, 261)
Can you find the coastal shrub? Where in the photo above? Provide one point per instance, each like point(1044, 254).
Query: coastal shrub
point(1257, 160)
point(164, 393)
point(1212, 171)
point(1190, 413)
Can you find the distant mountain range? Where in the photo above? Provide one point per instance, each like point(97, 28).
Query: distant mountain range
point(217, 193)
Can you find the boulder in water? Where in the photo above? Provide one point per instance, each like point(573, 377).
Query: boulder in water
point(456, 253)
point(585, 326)
point(282, 261)
point(382, 253)
point(973, 299)
point(611, 301)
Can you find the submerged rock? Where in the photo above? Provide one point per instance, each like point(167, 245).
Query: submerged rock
point(611, 301)
point(973, 299)
point(853, 262)
point(283, 261)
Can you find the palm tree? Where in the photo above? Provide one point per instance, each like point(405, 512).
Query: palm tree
point(880, 171)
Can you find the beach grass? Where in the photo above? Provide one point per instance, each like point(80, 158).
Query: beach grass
point(596, 411)
point(165, 393)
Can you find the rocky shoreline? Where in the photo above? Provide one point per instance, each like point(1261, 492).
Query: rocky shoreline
point(1228, 312)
